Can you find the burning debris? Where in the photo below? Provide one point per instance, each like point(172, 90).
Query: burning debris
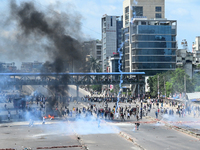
point(49, 117)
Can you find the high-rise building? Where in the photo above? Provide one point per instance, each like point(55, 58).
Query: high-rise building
point(149, 9)
point(111, 37)
point(150, 39)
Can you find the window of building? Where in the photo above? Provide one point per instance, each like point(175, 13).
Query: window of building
point(126, 30)
point(98, 57)
point(137, 11)
point(143, 23)
point(158, 15)
point(158, 9)
point(127, 9)
point(126, 17)
point(98, 52)
point(98, 47)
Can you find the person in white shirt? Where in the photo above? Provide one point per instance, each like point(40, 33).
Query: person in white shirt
point(117, 115)
point(128, 115)
point(43, 121)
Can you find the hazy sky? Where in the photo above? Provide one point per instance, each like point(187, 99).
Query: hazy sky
point(186, 12)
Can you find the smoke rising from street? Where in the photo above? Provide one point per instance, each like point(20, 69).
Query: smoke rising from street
point(34, 32)
point(34, 24)
point(58, 36)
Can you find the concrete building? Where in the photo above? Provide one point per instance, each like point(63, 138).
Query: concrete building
point(185, 61)
point(149, 9)
point(8, 67)
point(196, 50)
point(31, 66)
point(150, 39)
point(93, 49)
point(111, 37)
point(189, 61)
point(113, 63)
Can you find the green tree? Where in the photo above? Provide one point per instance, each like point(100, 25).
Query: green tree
point(153, 85)
point(196, 81)
point(178, 82)
point(174, 82)
point(168, 88)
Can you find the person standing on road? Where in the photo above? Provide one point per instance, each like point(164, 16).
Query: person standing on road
point(128, 115)
point(43, 121)
point(9, 115)
point(137, 116)
point(137, 125)
point(117, 114)
point(20, 115)
point(156, 113)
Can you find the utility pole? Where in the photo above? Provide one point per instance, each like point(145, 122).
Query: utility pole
point(185, 85)
point(158, 88)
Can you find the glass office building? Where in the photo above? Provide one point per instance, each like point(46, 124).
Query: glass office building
point(152, 46)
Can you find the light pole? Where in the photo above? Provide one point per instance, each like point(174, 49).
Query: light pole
point(185, 85)
point(158, 88)
point(165, 87)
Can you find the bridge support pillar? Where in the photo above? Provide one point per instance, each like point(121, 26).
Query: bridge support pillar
point(138, 79)
point(77, 92)
point(139, 92)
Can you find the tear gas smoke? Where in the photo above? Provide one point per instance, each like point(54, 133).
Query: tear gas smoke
point(82, 126)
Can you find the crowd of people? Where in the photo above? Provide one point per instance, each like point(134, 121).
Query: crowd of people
point(108, 112)
point(172, 108)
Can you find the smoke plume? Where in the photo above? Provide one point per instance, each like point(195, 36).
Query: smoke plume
point(54, 31)
point(36, 24)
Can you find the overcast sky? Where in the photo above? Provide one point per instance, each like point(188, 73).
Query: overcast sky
point(186, 12)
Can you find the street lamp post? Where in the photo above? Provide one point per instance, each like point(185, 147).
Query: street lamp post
point(165, 87)
point(158, 88)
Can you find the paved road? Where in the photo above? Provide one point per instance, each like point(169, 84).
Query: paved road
point(151, 136)
point(107, 142)
point(156, 136)
point(72, 91)
point(22, 136)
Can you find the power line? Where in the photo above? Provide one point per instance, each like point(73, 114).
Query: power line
point(68, 18)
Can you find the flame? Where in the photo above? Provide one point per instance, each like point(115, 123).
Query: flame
point(49, 116)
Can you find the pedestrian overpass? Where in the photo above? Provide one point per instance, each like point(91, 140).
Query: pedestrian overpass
point(61, 79)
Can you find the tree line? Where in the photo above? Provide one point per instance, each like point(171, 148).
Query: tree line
point(172, 82)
